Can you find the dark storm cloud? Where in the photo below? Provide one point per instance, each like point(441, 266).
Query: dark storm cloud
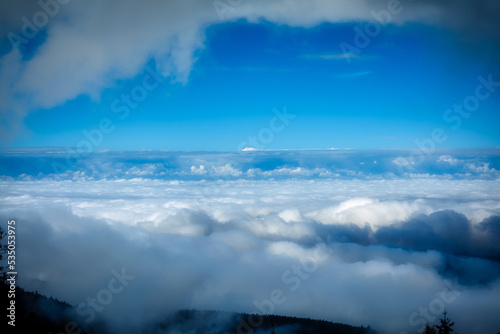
point(11, 13)
point(467, 251)
point(447, 232)
point(478, 19)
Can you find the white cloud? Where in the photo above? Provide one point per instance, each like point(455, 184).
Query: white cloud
point(446, 158)
point(227, 169)
point(483, 168)
point(402, 161)
point(223, 244)
point(362, 211)
point(198, 170)
point(249, 149)
point(291, 215)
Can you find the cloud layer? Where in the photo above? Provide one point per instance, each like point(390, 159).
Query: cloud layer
point(73, 164)
point(389, 252)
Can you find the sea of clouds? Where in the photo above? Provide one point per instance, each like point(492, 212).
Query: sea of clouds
point(360, 237)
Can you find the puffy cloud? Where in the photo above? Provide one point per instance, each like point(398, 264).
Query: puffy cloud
point(291, 215)
point(363, 211)
point(236, 269)
point(339, 247)
point(215, 244)
point(480, 169)
point(446, 158)
point(198, 170)
point(246, 149)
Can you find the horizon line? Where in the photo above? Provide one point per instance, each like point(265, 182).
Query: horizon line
point(57, 149)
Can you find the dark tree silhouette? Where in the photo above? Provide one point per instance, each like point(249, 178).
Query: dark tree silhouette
point(428, 329)
point(3, 250)
point(446, 325)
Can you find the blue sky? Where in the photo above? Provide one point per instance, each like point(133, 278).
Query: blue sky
point(394, 92)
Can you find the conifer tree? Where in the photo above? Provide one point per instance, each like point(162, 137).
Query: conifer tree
point(445, 324)
point(3, 250)
point(428, 329)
